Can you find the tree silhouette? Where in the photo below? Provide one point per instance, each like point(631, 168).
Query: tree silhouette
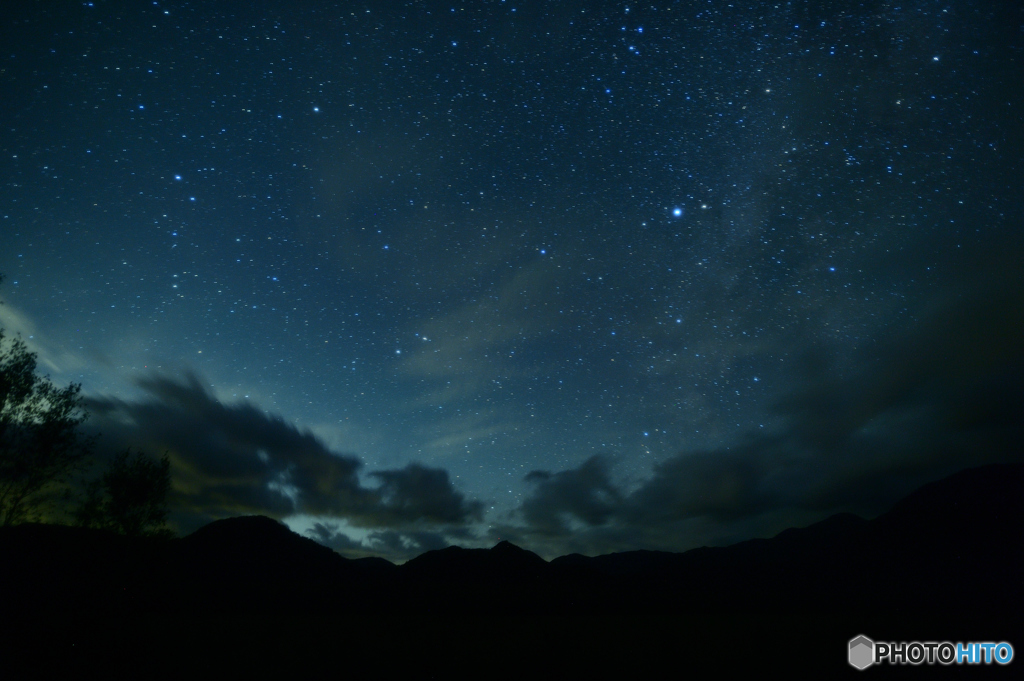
point(40, 447)
point(130, 497)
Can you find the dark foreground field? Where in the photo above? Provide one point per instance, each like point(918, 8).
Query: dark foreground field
point(247, 596)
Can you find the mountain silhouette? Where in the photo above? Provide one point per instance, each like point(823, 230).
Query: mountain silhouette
point(942, 564)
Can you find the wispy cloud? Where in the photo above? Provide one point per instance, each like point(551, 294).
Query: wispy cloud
point(477, 342)
point(53, 356)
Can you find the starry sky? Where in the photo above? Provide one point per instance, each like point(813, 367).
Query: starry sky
point(585, 276)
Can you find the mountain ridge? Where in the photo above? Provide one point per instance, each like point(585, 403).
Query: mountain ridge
point(833, 579)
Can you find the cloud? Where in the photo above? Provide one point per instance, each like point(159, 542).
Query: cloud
point(236, 459)
point(585, 493)
point(420, 493)
point(396, 546)
point(945, 394)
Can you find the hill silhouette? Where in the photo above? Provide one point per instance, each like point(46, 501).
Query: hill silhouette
point(943, 564)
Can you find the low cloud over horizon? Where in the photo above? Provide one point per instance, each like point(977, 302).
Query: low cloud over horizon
point(940, 396)
point(930, 400)
point(234, 459)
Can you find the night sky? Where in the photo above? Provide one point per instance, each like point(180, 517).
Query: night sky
point(585, 276)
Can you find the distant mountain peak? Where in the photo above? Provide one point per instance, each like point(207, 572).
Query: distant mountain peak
point(506, 550)
point(241, 526)
point(258, 537)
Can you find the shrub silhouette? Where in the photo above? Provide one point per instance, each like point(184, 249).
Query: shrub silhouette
point(130, 497)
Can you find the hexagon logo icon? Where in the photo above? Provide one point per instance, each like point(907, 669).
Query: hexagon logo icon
point(862, 652)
